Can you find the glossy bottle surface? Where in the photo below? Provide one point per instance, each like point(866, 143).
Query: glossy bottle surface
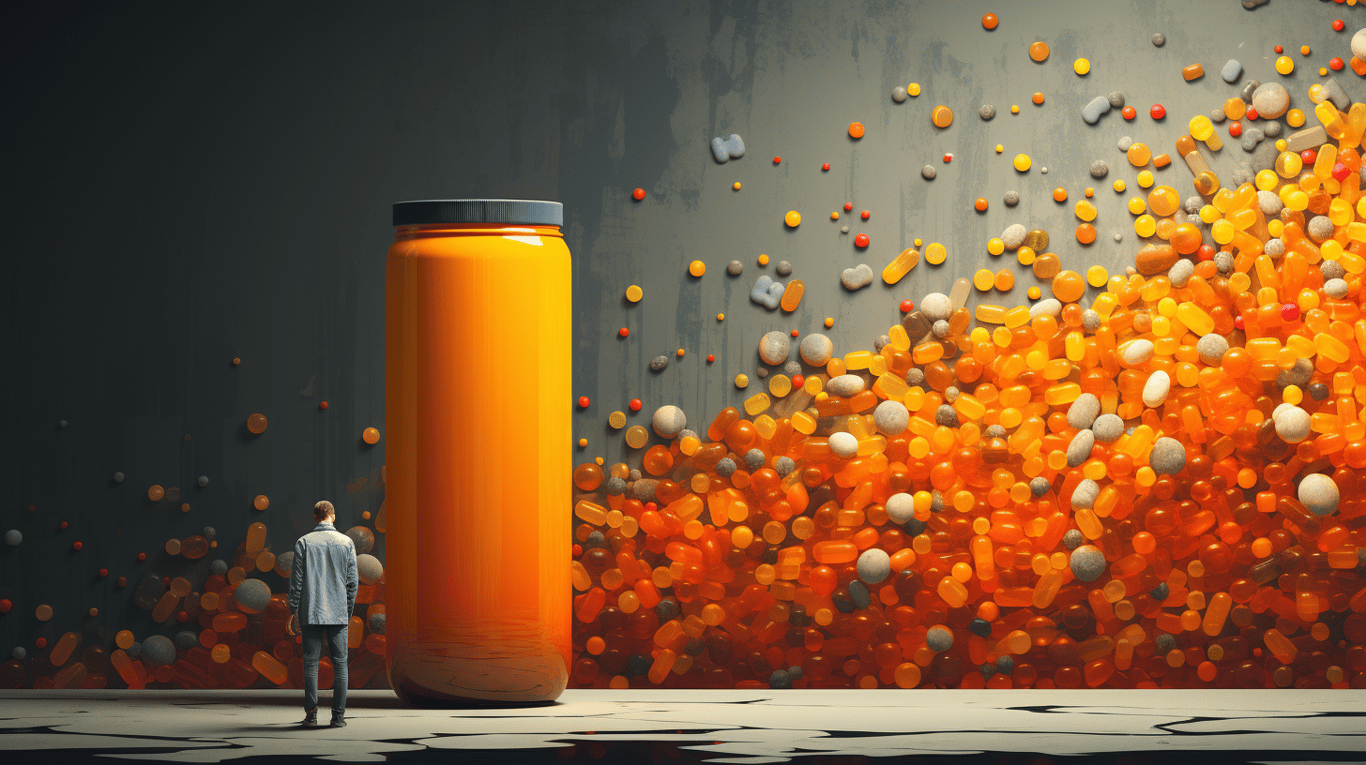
point(478, 411)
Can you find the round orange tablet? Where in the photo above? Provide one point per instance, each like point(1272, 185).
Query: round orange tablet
point(1060, 194)
point(1038, 51)
point(980, 204)
point(990, 21)
point(855, 129)
point(1068, 286)
point(1086, 233)
point(941, 116)
point(1005, 279)
point(1037, 98)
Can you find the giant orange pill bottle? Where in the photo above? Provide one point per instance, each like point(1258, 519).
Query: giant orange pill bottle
point(478, 461)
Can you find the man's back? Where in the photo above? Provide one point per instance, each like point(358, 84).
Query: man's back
point(324, 579)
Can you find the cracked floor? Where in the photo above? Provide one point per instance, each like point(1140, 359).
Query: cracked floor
point(53, 727)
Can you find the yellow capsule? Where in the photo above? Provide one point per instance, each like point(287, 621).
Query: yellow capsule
point(900, 265)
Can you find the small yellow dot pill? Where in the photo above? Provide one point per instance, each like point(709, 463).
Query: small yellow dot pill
point(1294, 118)
point(1026, 256)
point(1304, 50)
point(913, 89)
point(935, 253)
point(697, 268)
point(1035, 293)
point(1137, 206)
point(1145, 225)
point(741, 381)
point(1023, 162)
point(919, 242)
point(1000, 148)
point(829, 322)
point(983, 280)
point(1119, 187)
point(1323, 71)
point(735, 185)
point(720, 317)
point(792, 219)
point(1097, 276)
point(996, 246)
point(763, 260)
point(1145, 179)
point(834, 215)
point(1285, 65)
point(1081, 66)
point(634, 293)
point(1014, 108)
point(680, 352)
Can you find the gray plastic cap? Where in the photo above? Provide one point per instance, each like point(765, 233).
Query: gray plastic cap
point(528, 212)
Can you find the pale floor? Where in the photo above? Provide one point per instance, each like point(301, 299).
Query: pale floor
point(885, 726)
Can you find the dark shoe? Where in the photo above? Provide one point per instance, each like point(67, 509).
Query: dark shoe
point(338, 720)
point(310, 719)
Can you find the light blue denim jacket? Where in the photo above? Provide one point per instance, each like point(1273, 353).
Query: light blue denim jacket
point(323, 580)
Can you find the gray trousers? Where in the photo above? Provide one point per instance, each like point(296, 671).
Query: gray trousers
point(335, 635)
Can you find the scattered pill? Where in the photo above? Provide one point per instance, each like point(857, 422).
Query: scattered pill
point(1038, 51)
point(856, 130)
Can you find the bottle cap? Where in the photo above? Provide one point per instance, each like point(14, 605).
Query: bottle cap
point(528, 212)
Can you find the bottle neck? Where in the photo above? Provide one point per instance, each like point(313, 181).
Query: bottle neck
point(473, 229)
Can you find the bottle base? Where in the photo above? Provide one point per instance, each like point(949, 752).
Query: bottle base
point(427, 675)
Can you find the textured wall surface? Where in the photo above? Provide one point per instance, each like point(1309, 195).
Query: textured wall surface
point(186, 184)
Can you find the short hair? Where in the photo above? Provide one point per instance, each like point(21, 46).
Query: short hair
point(323, 509)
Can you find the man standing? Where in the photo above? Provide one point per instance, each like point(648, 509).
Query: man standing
point(322, 593)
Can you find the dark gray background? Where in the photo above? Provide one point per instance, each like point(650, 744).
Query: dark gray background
point(186, 183)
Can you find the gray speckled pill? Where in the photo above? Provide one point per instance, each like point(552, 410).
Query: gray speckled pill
point(1090, 320)
point(1271, 128)
point(1136, 352)
point(1274, 248)
point(1232, 70)
point(898, 94)
point(1124, 143)
point(1012, 197)
point(1251, 137)
point(1107, 428)
point(915, 376)
point(754, 459)
point(1223, 262)
point(668, 420)
point(1084, 496)
point(1319, 493)
point(987, 111)
point(1159, 39)
point(1087, 563)
point(1319, 228)
point(940, 329)
point(1331, 269)
point(774, 347)
point(735, 268)
point(938, 638)
point(1039, 486)
point(891, 418)
point(1318, 391)
point(1168, 456)
point(1099, 169)
point(994, 431)
point(726, 467)
point(1211, 349)
point(928, 172)
point(1079, 450)
point(946, 416)
point(1292, 423)
point(1073, 539)
point(951, 394)
point(792, 368)
point(1181, 272)
point(784, 465)
point(659, 363)
point(900, 507)
point(1217, 116)
point(1092, 111)
point(783, 268)
point(845, 386)
point(1083, 411)
point(1193, 204)
point(1249, 88)
point(1014, 236)
point(1298, 374)
point(1335, 288)
point(614, 486)
point(1116, 100)
point(761, 372)
point(936, 306)
point(1270, 205)
point(816, 349)
point(1270, 100)
point(874, 565)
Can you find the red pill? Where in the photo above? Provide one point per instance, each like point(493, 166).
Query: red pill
point(1338, 26)
point(861, 240)
point(906, 306)
point(41, 642)
point(1238, 322)
point(1279, 49)
point(639, 194)
point(990, 21)
point(577, 549)
point(76, 545)
point(62, 525)
point(142, 556)
point(711, 357)
point(1308, 156)
point(623, 332)
point(322, 404)
point(1235, 129)
point(1335, 64)
point(794, 333)
point(583, 402)
point(948, 158)
point(1205, 252)
point(1157, 112)
point(5, 606)
point(636, 405)
point(797, 381)
point(1289, 312)
point(1250, 114)
point(1340, 172)
point(848, 206)
point(825, 166)
point(865, 215)
point(1129, 112)
point(777, 160)
point(122, 582)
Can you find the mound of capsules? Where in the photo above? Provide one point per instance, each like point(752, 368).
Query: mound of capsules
point(1157, 490)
